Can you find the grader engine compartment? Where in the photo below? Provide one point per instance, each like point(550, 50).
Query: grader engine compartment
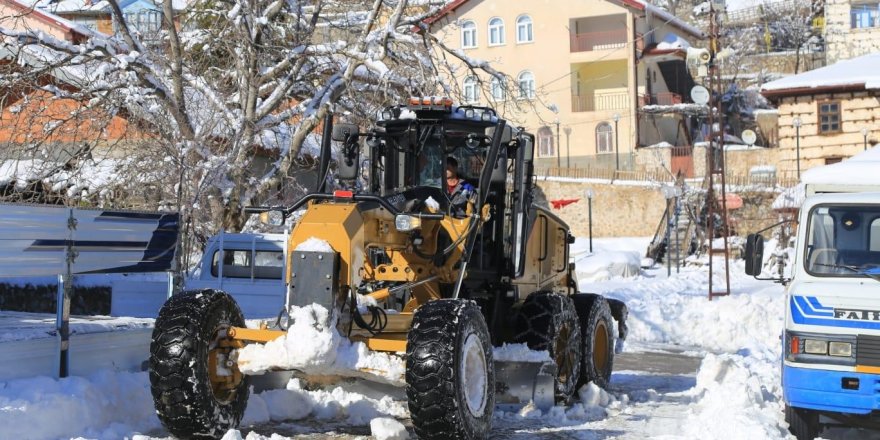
point(430, 251)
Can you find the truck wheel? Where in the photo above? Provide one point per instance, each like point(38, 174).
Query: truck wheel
point(196, 393)
point(802, 423)
point(450, 378)
point(598, 339)
point(548, 321)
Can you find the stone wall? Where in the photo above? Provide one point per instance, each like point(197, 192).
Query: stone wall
point(740, 160)
point(618, 210)
point(624, 209)
point(842, 41)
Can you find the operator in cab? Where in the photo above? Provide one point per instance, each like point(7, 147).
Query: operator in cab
point(458, 190)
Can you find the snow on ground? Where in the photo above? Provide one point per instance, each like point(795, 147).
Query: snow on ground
point(735, 394)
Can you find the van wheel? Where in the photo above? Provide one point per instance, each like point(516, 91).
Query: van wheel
point(450, 377)
point(197, 393)
point(802, 423)
point(548, 321)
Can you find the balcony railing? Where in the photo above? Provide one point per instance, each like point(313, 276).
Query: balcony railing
point(598, 40)
point(600, 101)
point(659, 99)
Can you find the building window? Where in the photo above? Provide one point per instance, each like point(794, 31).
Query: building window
point(545, 142)
point(468, 35)
point(498, 92)
point(604, 133)
point(145, 21)
point(524, 29)
point(470, 89)
point(496, 32)
point(864, 15)
point(526, 85)
point(829, 117)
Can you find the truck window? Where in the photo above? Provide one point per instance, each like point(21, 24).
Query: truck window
point(238, 264)
point(875, 235)
point(842, 240)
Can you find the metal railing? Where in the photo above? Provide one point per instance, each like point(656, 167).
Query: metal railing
point(658, 175)
point(588, 41)
point(600, 101)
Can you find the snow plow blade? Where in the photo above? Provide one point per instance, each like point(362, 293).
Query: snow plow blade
point(519, 382)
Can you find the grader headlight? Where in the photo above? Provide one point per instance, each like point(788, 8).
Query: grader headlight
point(406, 223)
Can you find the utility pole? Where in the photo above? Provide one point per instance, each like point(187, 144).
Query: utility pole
point(715, 163)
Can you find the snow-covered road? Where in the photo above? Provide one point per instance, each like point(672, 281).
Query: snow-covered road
point(691, 369)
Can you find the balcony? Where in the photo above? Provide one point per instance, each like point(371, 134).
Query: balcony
point(659, 99)
point(600, 101)
point(590, 41)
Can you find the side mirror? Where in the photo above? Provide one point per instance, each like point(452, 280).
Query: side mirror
point(348, 166)
point(506, 135)
point(342, 132)
point(754, 254)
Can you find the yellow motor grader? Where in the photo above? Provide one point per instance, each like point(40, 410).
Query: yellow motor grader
point(447, 280)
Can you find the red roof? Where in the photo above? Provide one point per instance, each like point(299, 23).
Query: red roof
point(450, 7)
point(50, 19)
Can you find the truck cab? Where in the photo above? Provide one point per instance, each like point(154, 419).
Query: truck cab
point(251, 271)
point(831, 340)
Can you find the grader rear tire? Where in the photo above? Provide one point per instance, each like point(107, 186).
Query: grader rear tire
point(548, 321)
point(195, 394)
point(598, 339)
point(450, 378)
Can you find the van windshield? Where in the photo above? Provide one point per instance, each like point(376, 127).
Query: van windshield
point(843, 240)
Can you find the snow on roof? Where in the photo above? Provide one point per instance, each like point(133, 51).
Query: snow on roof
point(790, 198)
point(47, 17)
point(860, 169)
point(68, 6)
point(663, 15)
point(673, 41)
point(864, 70)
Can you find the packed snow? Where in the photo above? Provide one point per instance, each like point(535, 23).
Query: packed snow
point(863, 70)
point(314, 244)
point(313, 345)
point(734, 394)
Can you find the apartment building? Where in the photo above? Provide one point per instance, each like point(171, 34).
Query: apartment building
point(584, 71)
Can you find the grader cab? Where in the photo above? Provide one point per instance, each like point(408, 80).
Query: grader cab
point(408, 269)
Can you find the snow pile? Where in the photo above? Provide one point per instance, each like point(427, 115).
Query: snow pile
point(747, 387)
point(106, 405)
point(519, 352)
point(313, 345)
point(432, 204)
point(676, 310)
point(314, 244)
point(790, 198)
point(388, 429)
point(622, 259)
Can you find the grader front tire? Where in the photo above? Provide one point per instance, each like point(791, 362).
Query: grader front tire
point(195, 393)
point(450, 378)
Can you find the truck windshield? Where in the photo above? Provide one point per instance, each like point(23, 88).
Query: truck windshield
point(843, 241)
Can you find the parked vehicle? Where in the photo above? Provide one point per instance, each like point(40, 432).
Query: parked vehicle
point(831, 340)
point(251, 272)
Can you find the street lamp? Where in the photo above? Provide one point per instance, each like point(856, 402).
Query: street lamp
point(589, 194)
point(567, 146)
point(558, 159)
point(865, 135)
point(616, 118)
point(797, 128)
